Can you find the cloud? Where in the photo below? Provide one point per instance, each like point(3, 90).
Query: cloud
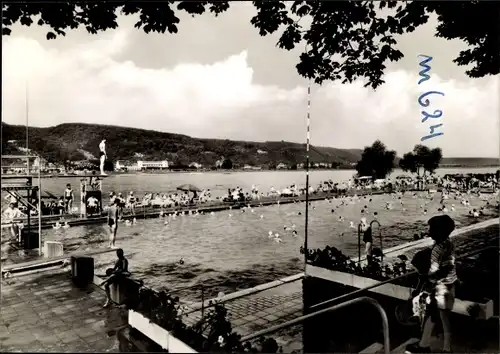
point(86, 83)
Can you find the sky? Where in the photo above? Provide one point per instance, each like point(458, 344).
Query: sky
point(217, 78)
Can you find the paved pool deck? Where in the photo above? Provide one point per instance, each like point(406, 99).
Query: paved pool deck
point(45, 312)
point(253, 312)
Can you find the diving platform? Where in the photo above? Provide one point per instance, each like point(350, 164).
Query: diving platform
point(29, 177)
point(53, 176)
point(18, 187)
point(50, 262)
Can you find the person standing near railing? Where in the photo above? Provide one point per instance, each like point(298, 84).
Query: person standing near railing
point(113, 221)
point(442, 275)
point(131, 202)
point(367, 238)
point(68, 199)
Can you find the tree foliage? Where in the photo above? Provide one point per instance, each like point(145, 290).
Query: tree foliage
point(421, 158)
point(346, 40)
point(227, 164)
point(376, 161)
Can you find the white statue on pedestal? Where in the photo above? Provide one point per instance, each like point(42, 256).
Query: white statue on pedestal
point(102, 155)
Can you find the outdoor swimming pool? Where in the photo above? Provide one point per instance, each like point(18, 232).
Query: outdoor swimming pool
point(230, 250)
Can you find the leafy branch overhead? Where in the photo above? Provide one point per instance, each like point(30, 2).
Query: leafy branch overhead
point(346, 40)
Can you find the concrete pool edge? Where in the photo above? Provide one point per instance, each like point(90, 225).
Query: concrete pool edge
point(394, 290)
point(426, 242)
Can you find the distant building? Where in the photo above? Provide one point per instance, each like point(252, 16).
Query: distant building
point(120, 165)
point(124, 166)
point(196, 165)
point(144, 165)
point(252, 168)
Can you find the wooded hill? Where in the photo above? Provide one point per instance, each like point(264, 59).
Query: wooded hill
point(75, 141)
point(78, 141)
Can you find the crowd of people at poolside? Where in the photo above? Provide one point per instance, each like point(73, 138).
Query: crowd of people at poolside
point(92, 206)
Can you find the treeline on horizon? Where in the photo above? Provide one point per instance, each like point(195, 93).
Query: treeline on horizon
point(67, 143)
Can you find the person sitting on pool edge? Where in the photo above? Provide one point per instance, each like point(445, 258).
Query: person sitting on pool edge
point(115, 274)
point(442, 274)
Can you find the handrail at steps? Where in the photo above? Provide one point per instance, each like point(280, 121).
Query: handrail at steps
point(369, 300)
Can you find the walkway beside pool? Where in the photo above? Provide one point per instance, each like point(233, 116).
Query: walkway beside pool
point(274, 303)
point(252, 310)
point(44, 312)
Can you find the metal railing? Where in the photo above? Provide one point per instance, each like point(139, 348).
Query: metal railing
point(369, 300)
point(29, 176)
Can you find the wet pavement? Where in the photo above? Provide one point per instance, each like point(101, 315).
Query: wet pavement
point(45, 312)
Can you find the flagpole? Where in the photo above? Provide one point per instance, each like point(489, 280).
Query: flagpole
point(27, 123)
point(308, 136)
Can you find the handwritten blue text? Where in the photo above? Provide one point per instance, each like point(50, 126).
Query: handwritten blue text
point(423, 101)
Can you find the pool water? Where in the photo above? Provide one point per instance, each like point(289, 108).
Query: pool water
point(231, 250)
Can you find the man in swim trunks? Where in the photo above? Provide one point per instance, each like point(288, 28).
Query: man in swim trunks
point(68, 198)
point(113, 222)
point(131, 201)
point(102, 155)
point(119, 271)
point(83, 192)
point(11, 213)
point(92, 205)
point(367, 238)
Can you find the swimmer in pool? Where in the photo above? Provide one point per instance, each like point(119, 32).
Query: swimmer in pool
point(113, 222)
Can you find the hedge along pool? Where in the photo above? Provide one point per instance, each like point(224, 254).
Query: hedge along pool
point(424, 102)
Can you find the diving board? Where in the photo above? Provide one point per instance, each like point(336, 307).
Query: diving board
point(48, 262)
point(18, 177)
point(19, 157)
point(18, 187)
